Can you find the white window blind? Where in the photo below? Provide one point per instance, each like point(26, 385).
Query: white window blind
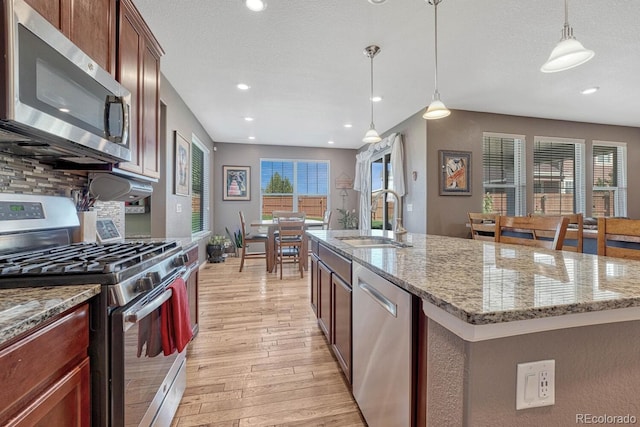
point(200, 177)
point(609, 163)
point(299, 185)
point(504, 178)
point(558, 176)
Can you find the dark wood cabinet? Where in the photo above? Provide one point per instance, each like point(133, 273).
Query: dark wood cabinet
point(46, 374)
point(314, 284)
point(332, 282)
point(341, 343)
point(192, 286)
point(324, 299)
point(139, 71)
point(89, 24)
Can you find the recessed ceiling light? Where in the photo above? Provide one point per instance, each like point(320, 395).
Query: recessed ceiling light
point(64, 110)
point(377, 1)
point(590, 90)
point(348, 125)
point(248, 119)
point(376, 99)
point(252, 137)
point(256, 5)
point(243, 86)
point(330, 142)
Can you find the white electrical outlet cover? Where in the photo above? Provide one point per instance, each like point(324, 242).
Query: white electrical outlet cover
point(535, 384)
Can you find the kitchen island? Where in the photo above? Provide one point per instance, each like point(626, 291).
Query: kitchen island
point(491, 306)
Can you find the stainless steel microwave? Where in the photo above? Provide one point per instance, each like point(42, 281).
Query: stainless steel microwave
point(56, 103)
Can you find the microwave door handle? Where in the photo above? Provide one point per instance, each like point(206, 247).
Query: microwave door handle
point(124, 108)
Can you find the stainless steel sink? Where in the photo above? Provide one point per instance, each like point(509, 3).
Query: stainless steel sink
point(372, 242)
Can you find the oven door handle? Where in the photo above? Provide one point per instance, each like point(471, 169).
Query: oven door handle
point(149, 308)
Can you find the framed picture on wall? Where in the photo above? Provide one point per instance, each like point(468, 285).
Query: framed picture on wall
point(237, 182)
point(182, 167)
point(455, 173)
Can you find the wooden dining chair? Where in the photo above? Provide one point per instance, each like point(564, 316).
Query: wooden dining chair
point(622, 231)
point(248, 238)
point(483, 225)
point(277, 215)
point(326, 220)
point(575, 232)
point(289, 243)
point(528, 230)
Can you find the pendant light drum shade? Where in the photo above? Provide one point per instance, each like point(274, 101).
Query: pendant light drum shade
point(372, 135)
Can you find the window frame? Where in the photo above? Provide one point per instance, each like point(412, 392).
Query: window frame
point(579, 169)
point(205, 195)
point(620, 189)
point(519, 170)
point(295, 193)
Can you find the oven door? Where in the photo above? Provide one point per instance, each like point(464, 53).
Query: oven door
point(146, 385)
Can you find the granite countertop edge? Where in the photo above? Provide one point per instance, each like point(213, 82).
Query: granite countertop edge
point(468, 316)
point(23, 309)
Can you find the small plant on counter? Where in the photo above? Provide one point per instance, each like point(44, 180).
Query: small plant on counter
point(348, 219)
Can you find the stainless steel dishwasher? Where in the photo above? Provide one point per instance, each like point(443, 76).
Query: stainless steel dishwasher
point(382, 349)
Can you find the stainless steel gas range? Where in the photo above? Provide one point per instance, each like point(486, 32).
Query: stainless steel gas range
point(133, 382)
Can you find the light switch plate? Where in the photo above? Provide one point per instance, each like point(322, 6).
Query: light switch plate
point(535, 385)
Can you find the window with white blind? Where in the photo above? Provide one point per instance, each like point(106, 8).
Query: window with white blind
point(558, 176)
point(609, 179)
point(200, 174)
point(294, 185)
point(503, 179)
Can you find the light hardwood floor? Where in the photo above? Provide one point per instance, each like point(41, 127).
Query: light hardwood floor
point(260, 358)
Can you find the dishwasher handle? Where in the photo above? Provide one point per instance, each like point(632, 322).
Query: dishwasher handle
point(384, 302)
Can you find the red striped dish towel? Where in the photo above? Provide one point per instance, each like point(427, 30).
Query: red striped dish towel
point(176, 319)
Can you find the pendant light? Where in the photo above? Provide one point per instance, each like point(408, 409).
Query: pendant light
point(569, 52)
point(372, 135)
point(437, 109)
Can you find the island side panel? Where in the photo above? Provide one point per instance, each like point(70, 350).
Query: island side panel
point(445, 377)
point(597, 372)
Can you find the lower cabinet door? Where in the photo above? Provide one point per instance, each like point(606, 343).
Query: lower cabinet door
point(314, 284)
point(324, 299)
point(64, 403)
point(341, 342)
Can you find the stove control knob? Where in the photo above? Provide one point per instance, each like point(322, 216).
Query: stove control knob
point(144, 284)
point(155, 278)
point(180, 260)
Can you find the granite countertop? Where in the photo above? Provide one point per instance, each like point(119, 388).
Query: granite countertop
point(487, 283)
point(22, 309)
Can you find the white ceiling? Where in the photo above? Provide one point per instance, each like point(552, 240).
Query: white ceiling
point(304, 61)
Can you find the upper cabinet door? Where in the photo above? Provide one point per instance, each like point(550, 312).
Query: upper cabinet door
point(139, 71)
point(89, 24)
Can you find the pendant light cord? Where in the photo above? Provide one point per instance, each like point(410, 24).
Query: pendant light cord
point(435, 14)
point(371, 97)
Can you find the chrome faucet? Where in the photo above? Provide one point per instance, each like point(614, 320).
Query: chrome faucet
point(399, 230)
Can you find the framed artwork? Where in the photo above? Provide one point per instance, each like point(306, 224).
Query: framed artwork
point(237, 182)
point(455, 173)
point(182, 169)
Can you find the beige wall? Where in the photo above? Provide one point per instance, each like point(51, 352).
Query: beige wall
point(446, 215)
point(597, 372)
point(176, 117)
point(226, 212)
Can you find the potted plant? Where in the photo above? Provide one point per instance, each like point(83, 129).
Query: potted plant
point(235, 239)
point(216, 248)
point(348, 219)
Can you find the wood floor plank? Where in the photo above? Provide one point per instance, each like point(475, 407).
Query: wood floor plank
point(260, 358)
